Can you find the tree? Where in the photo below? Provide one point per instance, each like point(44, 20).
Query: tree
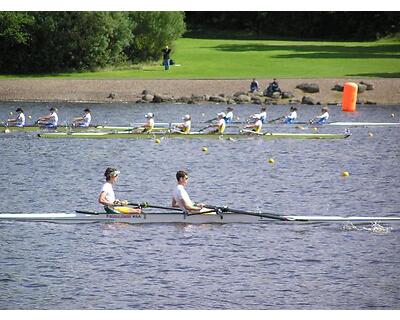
point(152, 31)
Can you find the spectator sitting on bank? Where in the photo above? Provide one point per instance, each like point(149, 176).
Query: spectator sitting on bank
point(166, 59)
point(254, 86)
point(272, 87)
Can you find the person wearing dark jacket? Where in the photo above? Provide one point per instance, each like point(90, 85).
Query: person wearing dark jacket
point(166, 59)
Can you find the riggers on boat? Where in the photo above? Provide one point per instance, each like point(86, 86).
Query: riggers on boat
point(192, 135)
point(184, 218)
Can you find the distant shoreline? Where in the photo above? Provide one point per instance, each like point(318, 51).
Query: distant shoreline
point(385, 92)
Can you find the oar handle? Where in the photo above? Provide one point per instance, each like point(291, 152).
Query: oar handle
point(147, 205)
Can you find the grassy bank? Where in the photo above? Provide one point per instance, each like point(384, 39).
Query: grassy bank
point(243, 59)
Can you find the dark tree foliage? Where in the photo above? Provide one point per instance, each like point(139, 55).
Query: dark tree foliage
point(153, 31)
point(326, 25)
point(77, 41)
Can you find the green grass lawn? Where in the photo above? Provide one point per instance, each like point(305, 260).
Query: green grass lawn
point(238, 59)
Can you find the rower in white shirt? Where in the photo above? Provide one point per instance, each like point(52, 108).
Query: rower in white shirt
point(107, 195)
point(220, 125)
point(18, 121)
point(256, 126)
point(262, 115)
point(84, 120)
point(291, 117)
point(149, 125)
point(323, 118)
point(229, 115)
point(181, 199)
point(186, 125)
point(49, 121)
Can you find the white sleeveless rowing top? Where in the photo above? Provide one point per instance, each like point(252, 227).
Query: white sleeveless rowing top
point(87, 118)
point(54, 119)
point(221, 125)
point(21, 120)
point(180, 196)
point(109, 191)
point(258, 126)
point(188, 125)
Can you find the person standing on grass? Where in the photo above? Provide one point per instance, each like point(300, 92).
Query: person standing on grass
point(166, 58)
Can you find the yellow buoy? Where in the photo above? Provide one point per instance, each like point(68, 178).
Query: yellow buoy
point(29, 117)
point(157, 141)
point(271, 161)
point(7, 131)
point(370, 134)
point(315, 129)
point(392, 115)
point(204, 149)
point(11, 113)
point(345, 173)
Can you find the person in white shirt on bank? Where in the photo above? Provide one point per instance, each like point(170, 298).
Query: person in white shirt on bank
point(107, 196)
point(181, 199)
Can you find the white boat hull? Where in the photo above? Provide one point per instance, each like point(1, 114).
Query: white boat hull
point(178, 217)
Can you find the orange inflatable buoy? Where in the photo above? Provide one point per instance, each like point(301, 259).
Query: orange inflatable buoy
point(349, 97)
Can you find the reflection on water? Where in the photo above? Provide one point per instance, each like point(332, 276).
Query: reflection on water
point(272, 266)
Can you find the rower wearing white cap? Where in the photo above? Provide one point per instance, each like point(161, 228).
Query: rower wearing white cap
point(19, 121)
point(149, 125)
point(107, 196)
point(186, 125)
point(220, 125)
point(257, 125)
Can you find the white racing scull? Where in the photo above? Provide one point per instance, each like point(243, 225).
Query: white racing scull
point(179, 217)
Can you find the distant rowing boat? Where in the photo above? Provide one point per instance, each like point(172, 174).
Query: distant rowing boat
point(179, 217)
point(96, 128)
point(194, 135)
point(160, 126)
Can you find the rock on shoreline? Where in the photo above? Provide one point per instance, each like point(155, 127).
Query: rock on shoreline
point(380, 91)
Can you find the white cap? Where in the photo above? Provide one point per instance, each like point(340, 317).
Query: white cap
point(149, 115)
point(257, 116)
point(186, 117)
point(222, 114)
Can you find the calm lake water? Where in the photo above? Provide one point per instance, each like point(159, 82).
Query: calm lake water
point(274, 266)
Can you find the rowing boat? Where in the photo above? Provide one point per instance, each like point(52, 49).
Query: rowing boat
point(161, 126)
point(226, 136)
point(95, 128)
point(179, 217)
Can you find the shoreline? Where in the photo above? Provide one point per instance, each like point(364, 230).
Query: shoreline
point(385, 91)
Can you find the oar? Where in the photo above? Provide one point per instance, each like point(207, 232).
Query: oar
point(147, 205)
point(211, 120)
point(274, 120)
point(257, 214)
point(202, 129)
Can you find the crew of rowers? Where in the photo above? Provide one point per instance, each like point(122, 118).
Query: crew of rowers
point(255, 121)
point(180, 198)
point(50, 121)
